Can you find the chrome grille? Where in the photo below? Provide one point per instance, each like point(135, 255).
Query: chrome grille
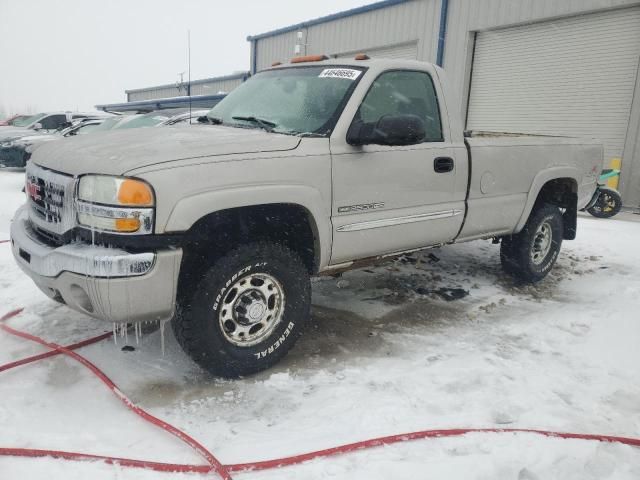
point(50, 197)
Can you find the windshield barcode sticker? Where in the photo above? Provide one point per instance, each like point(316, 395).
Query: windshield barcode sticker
point(348, 73)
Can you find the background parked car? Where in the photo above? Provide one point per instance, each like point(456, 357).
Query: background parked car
point(157, 118)
point(10, 121)
point(48, 122)
point(15, 152)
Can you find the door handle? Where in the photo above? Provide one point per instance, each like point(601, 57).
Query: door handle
point(443, 164)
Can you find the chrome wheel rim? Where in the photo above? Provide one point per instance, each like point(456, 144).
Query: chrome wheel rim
point(252, 308)
point(608, 203)
point(541, 243)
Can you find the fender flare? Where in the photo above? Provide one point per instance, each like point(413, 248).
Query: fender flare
point(190, 209)
point(539, 181)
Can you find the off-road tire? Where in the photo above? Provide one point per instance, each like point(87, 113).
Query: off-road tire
point(608, 204)
point(200, 332)
point(517, 252)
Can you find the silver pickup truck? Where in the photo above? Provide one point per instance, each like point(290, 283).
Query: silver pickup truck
point(311, 167)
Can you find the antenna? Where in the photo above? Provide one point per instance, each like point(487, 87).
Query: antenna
point(189, 69)
point(180, 83)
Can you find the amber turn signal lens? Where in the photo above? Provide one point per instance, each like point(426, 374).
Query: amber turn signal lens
point(134, 192)
point(309, 58)
point(127, 224)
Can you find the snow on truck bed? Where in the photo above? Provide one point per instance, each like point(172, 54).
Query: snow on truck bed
point(384, 354)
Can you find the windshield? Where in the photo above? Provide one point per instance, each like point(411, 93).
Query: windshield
point(290, 100)
point(150, 120)
point(17, 121)
point(108, 124)
point(25, 121)
point(87, 128)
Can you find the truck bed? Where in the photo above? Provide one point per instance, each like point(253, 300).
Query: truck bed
point(505, 167)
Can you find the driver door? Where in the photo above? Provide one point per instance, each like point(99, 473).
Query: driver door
point(388, 199)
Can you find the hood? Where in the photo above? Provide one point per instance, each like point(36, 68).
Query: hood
point(118, 152)
point(10, 133)
point(35, 138)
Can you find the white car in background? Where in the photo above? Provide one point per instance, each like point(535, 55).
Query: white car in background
point(16, 152)
point(48, 122)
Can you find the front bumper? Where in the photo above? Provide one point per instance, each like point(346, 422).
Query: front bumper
point(107, 283)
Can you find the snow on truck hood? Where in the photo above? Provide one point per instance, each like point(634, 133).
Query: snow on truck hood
point(118, 152)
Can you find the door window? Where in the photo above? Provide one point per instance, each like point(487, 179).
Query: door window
point(52, 122)
point(403, 92)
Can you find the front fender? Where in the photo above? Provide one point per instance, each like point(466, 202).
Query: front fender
point(538, 182)
point(190, 209)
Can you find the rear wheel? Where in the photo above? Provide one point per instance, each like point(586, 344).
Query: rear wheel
point(608, 204)
point(530, 254)
point(247, 310)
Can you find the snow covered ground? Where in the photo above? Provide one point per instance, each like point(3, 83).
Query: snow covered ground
point(382, 356)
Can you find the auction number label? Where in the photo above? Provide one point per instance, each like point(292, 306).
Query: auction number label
point(347, 73)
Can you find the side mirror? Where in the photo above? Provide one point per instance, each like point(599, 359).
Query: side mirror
point(37, 126)
point(393, 130)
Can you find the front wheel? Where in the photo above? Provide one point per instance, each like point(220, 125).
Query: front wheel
point(530, 254)
point(247, 310)
point(607, 205)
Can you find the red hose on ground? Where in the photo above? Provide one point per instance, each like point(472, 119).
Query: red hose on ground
point(224, 470)
point(192, 442)
point(51, 353)
point(297, 459)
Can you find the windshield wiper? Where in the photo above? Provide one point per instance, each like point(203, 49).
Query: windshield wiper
point(209, 120)
point(305, 134)
point(265, 124)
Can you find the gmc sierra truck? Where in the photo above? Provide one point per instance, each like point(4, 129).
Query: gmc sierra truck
point(311, 167)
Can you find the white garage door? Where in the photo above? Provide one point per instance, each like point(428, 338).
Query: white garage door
point(407, 51)
point(571, 77)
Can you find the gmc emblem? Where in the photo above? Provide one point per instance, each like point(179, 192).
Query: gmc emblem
point(33, 190)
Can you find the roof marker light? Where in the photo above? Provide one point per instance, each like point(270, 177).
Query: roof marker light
point(361, 56)
point(309, 58)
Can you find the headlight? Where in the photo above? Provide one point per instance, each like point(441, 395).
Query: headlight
point(115, 204)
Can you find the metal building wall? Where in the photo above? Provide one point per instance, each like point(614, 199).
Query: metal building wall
point(630, 178)
point(398, 25)
point(468, 16)
point(152, 93)
point(210, 86)
point(418, 21)
point(213, 88)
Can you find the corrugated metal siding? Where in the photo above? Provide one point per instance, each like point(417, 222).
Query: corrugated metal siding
point(404, 51)
point(200, 88)
point(275, 49)
point(212, 88)
point(573, 77)
point(630, 179)
point(467, 16)
point(396, 26)
point(166, 92)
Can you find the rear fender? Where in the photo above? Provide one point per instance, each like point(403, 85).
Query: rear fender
point(536, 186)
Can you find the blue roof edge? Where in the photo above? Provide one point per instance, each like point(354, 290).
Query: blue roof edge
point(327, 18)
